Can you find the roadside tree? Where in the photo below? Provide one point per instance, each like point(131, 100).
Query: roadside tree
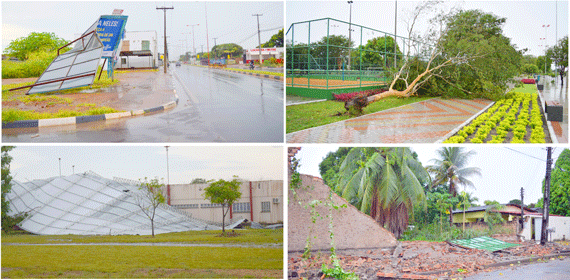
point(465, 50)
point(223, 50)
point(225, 193)
point(385, 183)
point(560, 185)
point(150, 199)
point(450, 169)
point(559, 54)
point(276, 40)
point(21, 48)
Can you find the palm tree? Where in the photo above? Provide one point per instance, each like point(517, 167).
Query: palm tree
point(384, 183)
point(450, 169)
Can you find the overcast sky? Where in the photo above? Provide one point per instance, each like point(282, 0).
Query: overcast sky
point(504, 169)
point(137, 162)
point(524, 19)
point(230, 22)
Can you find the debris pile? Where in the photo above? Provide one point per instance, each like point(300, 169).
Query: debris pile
point(422, 260)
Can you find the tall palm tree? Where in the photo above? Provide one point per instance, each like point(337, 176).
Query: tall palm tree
point(384, 183)
point(450, 169)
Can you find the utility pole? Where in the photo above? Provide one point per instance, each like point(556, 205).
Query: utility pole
point(395, 32)
point(207, 40)
point(544, 231)
point(167, 177)
point(522, 209)
point(73, 169)
point(193, 42)
point(59, 167)
point(259, 40)
point(165, 50)
point(349, 34)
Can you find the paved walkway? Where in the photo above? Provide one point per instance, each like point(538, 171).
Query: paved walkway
point(421, 122)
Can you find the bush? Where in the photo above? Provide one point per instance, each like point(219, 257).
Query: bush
point(528, 81)
point(36, 64)
point(344, 97)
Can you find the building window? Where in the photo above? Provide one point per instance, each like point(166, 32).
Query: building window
point(123, 60)
point(185, 206)
point(145, 45)
point(241, 207)
point(265, 206)
point(210, 205)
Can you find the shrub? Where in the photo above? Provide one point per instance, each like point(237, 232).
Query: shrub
point(344, 97)
point(528, 81)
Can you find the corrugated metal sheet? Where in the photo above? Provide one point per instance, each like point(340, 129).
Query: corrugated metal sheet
point(484, 243)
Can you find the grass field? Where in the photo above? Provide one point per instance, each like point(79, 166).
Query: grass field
point(41, 261)
point(249, 236)
point(305, 116)
point(118, 261)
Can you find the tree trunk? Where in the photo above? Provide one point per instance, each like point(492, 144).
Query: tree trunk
point(152, 226)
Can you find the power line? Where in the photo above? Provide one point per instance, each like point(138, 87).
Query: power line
point(524, 154)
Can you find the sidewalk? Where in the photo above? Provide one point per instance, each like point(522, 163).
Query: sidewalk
point(553, 91)
point(421, 122)
point(137, 93)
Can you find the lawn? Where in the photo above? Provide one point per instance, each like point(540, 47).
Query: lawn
point(305, 116)
point(249, 236)
point(96, 261)
point(116, 261)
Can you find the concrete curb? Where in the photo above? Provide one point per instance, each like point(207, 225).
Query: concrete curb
point(278, 78)
point(455, 130)
point(85, 119)
point(548, 123)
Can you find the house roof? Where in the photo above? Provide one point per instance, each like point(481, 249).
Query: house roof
point(503, 211)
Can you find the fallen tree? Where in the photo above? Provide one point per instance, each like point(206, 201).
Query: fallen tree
point(462, 50)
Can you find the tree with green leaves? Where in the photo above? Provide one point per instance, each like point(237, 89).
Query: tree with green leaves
point(6, 187)
point(492, 215)
point(543, 64)
point(21, 48)
point(560, 185)
point(150, 198)
point(529, 69)
point(330, 166)
point(199, 181)
point(559, 54)
point(276, 40)
point(385, 183)
point(450, 169)
point(225, 193)
point(464, 50)
point(380, 52)
point(223, 50)
point(337, 50)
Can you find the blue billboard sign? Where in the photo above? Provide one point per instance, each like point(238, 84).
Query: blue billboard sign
point(110, 30)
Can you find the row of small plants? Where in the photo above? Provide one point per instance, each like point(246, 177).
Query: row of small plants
point(504, 117)
point(349, 95)
point(258, 72)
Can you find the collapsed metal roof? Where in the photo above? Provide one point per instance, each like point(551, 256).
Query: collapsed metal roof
point(483, 242)
point(88, 204)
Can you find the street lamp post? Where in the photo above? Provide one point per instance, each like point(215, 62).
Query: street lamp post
point(349, 33)
point(193, 42)
point(59, 167)
point(545, 44)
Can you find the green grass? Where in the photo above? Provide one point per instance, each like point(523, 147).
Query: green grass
point(11, 115)
point(258, 72)
point(249, 236)
point(526, 88)
point(305, 116)
point(140, 262)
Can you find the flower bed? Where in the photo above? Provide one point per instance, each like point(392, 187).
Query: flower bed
point(349, 95)
point(517, 119)
point(528, 81)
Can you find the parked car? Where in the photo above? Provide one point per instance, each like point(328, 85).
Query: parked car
point(178, 63)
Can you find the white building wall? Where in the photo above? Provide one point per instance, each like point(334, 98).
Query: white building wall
point(561, 226)
point(190, 198)
point(135, 43)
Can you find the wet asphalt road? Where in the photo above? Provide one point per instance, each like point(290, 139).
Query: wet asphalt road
point(552, 270)
point(214, 106)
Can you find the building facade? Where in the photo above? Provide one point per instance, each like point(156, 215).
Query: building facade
point(261, 201)
point(266, 53)
point(139, 50)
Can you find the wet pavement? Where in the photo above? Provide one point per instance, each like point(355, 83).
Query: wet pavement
point(558, 269)
point(422, 122)
point(554, 91)
point(214, 106)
